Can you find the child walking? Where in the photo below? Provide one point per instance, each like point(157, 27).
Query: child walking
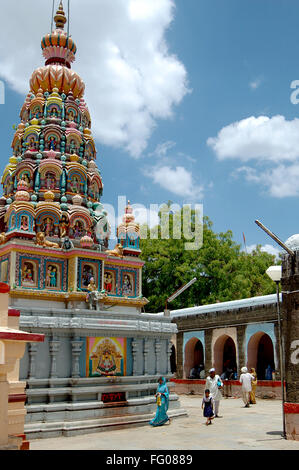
point(207, 406)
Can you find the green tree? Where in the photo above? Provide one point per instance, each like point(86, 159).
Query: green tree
point(224, 272)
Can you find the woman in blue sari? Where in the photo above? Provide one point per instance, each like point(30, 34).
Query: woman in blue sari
point(162, 397)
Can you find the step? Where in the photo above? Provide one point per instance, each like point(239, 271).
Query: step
point(72, 428)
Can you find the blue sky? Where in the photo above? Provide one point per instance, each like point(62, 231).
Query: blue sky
point(240, 58)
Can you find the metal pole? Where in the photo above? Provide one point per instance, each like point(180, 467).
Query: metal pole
point(68, 18)
point(275, 238)
point(181, 289)
point(52, 20)
point(281, 358)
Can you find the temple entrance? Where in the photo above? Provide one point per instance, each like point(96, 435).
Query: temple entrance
point(194, 356)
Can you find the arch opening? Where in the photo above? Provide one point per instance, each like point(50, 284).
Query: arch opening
point(261, 355)
point(173, 367)
point(194, 356)
point(225, 358)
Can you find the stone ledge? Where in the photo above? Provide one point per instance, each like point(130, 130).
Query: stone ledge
point(88, 390)
point(65, 406)
point(86, 381)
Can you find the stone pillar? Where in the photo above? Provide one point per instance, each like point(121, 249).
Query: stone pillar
point(140, 282)
point(135, 353)
point(53, 349)
point(146, 350)
point(76, 352)
point(208, 350)
point(241, 353)
point(290, 337)
point(12, 274)
point(169, 345)
point(277, 354)
point(4, 387)
point(179, 344)
point(32, 349)
point(73, 274)
point(158, 346)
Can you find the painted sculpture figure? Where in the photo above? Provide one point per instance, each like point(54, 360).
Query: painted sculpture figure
point(41, 240)
point(117, 251)
point(93, 295)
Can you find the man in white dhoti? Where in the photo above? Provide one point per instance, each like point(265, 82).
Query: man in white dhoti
point(246, 379)
point(214, 384)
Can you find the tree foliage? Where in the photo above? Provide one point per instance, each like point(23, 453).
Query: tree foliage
point(223, 270)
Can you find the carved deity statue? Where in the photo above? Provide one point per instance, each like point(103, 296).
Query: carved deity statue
point(48, 227)
point(108, 282)
point(52, 143)
point(92, 285)
point(32, 144)
point(117, 251)
point(94, 295)
point(24, 223)
point(41, 240)
point(67, 244)
point(75, 185)
point(63, 226)
point(50, 181)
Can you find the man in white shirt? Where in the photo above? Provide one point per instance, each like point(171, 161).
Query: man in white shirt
point(246, 379)
point(214, 384)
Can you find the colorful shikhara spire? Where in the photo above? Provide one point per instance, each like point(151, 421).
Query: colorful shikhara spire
point(52, 183)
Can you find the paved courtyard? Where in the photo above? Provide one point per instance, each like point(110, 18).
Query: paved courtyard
point(258, 427)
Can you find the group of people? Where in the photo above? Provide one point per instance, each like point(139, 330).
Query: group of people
point(197, 372)
point(212, 396)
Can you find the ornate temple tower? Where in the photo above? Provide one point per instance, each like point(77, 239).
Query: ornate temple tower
point(52, 189)
point(86, 300)
point(54, 153)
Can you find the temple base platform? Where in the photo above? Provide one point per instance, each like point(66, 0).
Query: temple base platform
point(68, 407)
point(83, 413)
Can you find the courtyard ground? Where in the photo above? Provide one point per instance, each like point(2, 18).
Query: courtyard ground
point(256, 428)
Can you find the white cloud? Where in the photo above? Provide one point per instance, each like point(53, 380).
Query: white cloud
point(255, 84)
point(271, 144)
point(272, 250)
point(281, 181)
point(162, 149)
point(131, 77)
point(146, 216)
point(269, 139)
point(176, 180)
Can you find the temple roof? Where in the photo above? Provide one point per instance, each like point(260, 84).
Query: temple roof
point(221, 306)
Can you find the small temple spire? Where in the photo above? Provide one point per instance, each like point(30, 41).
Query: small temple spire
point(60, 18)
point(58, 47)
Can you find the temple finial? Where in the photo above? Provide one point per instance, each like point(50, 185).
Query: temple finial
point(60, 18)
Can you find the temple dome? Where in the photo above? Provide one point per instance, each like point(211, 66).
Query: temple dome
point(49, 196)
point(77, 200)
point(58, 47)
point(128, 224)
point(86, 241)
point(22, 193)
point(59, 50)
point(57, 76)
point(293, 242)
